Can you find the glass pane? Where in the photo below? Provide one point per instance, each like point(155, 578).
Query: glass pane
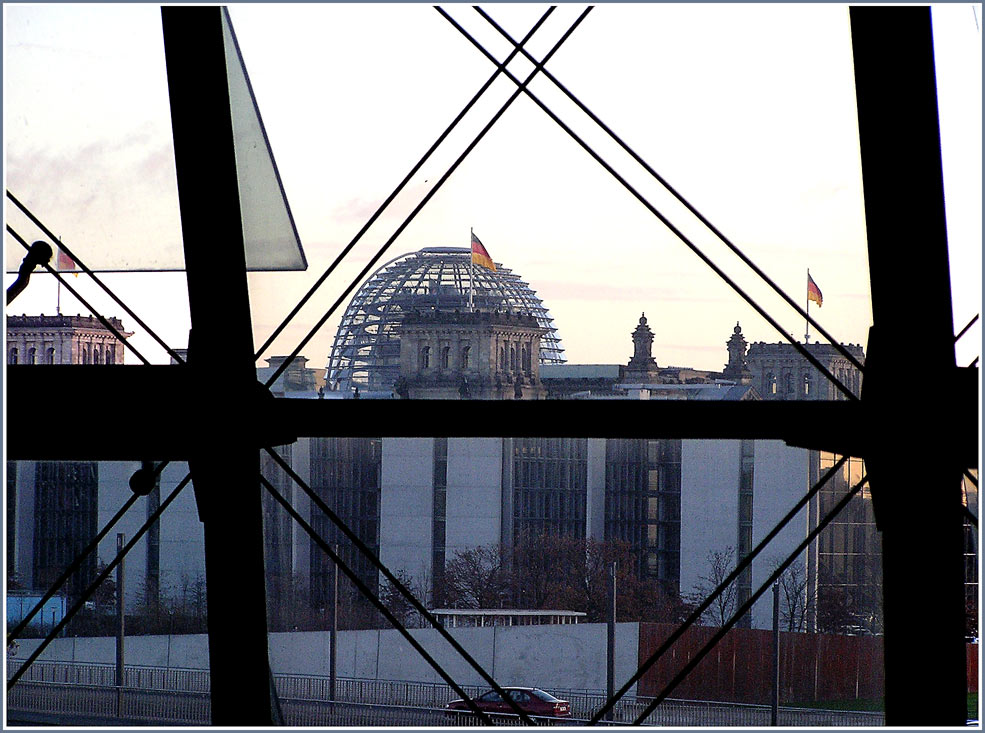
point(590, 297)
point(269, 234)
point(89, 102)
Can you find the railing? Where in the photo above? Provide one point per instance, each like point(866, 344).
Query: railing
point(155, 694)
point(151, 678)
point(82, 702)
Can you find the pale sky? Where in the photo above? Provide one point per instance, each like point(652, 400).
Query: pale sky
point(748, 110)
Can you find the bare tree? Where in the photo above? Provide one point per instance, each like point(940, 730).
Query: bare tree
point(554, 571)
point(720, 564)
point(398, 604)
point(796, 599)
point(476, 578)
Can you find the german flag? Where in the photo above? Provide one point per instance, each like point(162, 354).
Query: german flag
point(813, 291)
point(65, 263)
point(480, 256)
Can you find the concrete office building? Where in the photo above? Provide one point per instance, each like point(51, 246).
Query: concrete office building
point(418, 501)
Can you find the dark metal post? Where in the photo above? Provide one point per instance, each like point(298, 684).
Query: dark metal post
point(917, 500)
point(610, 660)
point(775, 701)
point(221, 366)
point(120, 625)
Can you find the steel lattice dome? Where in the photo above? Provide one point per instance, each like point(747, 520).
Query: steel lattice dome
point(366, 350)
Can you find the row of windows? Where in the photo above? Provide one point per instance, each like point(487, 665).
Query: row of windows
point(841, 538)
point(634, 507)
point(664, 566)
point(851, 569)
point(89, 354)
point(857, 511)
point(549, 474)
point(444, 358)
point(65, 517)
point(537, 526)
point(787, 385)
point(557, 505)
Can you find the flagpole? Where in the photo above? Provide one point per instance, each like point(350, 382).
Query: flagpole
point(471, 269)
point(807, 336)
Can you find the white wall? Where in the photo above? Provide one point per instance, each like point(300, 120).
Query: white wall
point(182, 542)
point(709, 504)
point(406, 499)
point(563, 656)
point(474, 497)
point(709, 508)
point(113, 492)
point(780, 480)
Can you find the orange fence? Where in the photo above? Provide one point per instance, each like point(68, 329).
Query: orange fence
point(813, 667)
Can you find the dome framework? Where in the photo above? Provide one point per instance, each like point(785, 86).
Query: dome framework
point(366, 350)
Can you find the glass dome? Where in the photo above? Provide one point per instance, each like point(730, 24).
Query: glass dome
point(366, 350)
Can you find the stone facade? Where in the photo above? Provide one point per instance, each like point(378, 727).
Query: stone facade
point(63, 340)
point(479, 355)
point(780, 372)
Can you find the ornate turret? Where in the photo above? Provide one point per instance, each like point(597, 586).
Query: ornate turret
point(736, 368)
point(642, 367)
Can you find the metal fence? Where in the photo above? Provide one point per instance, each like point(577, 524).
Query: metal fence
point(180, 696)
point(148, 678)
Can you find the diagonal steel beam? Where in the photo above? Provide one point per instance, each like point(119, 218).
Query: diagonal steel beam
point(677, 195)
point(400, 186)
point(801, 348)
point(521, 86)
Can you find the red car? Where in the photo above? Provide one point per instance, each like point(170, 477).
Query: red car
point(529, 699)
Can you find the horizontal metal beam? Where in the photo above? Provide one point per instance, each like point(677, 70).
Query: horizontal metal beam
point(158, 409)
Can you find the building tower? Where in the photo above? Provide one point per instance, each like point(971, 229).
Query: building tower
point(642, 367)
point(63, 340)
point(736, 368)
point(478, 355)
point(780, 372)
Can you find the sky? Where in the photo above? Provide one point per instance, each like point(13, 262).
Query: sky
point(747, 110)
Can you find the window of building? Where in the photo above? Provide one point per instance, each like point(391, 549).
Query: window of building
point(465, 357)
point(425, 357)
point(445, 351)
point(31, 355)
point(12, 356)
